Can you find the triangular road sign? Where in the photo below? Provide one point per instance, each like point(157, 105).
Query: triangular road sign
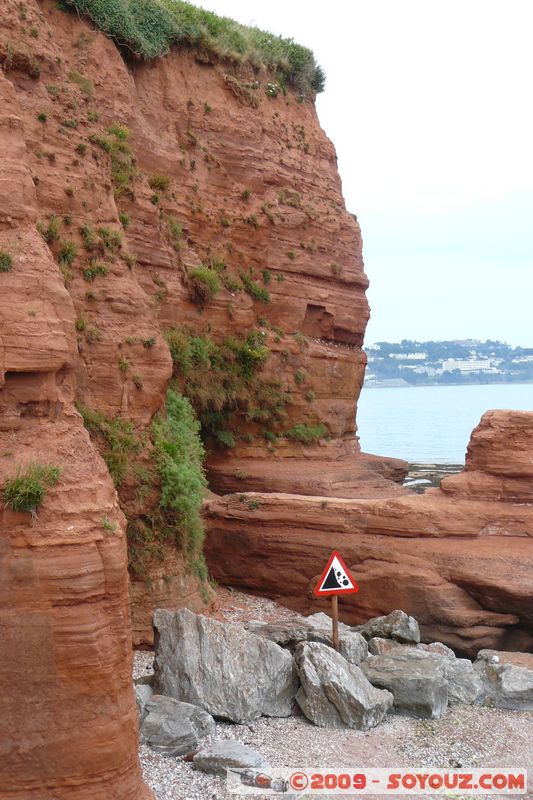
point(336, 578)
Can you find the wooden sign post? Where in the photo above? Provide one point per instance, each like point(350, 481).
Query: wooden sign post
point(335, 580)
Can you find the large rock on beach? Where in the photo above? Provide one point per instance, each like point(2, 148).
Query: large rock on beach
point(232, 674)
point(335, 693)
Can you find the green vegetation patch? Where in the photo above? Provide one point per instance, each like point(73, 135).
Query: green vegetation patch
point(6, 261)
point(123, 169)
point(178, 455)
point(150, 27)
point(307, 434)
point(223, 381)
point(27, 490)
point(118, 437)
point(203, 284)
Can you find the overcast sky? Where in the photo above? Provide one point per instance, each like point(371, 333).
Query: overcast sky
point(429, 105)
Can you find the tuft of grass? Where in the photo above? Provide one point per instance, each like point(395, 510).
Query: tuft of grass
point(67, 252)
point(90, 241)
point(124, 219)
point(300, 377)
point(307, 434)
point(84, 83)
point(95, 270)
point(301, 340)
point(108, 525)
point(6, 261)
point(175, 232)
point(81, 149)
point(42, 116)
point(27, 490)
point(159, 182)
point(111, 239)
point(150, 29)
point(253, 288)
point(70, 122)
point(50, 232)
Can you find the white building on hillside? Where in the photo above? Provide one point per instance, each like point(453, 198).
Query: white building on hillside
point(469, 365)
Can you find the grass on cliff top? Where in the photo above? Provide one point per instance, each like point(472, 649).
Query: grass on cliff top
point(150, 27)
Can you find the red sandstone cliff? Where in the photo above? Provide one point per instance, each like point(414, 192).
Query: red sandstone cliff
point(68, 717)
point(253, 184)
point(99, 273)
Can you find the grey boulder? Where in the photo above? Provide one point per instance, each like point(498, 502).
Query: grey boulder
point(416, 679)
point(396, 625)
point(335, 693)
point(289, 634)
point(285, 634)
point(172, 728)
point(321, 624)
point(232, 674)
point(353, 647)
point(220, 756)
point(143, 693)
point(464, 684)
point(506, 679)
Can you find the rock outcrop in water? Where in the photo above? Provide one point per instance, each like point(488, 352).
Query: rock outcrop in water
point(458, 558)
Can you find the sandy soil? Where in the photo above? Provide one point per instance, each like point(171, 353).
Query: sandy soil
point(468, 736)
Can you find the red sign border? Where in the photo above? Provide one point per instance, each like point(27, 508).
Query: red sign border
point(330, 592)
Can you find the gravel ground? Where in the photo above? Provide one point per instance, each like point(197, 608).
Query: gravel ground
point(467, 737)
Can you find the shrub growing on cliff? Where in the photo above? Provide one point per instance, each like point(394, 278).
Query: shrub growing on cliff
point(179, 455)
point(150, 27)
point(203, 283)
point(27, 490)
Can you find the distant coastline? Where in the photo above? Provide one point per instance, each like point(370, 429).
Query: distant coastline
point(460, 362)
point(399, 383)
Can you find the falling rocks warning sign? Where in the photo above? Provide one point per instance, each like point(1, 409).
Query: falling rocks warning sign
point(336, 578)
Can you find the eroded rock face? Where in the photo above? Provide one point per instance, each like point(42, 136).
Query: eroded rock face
point(230, 673)
point(69, 718)
point(461, 565)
